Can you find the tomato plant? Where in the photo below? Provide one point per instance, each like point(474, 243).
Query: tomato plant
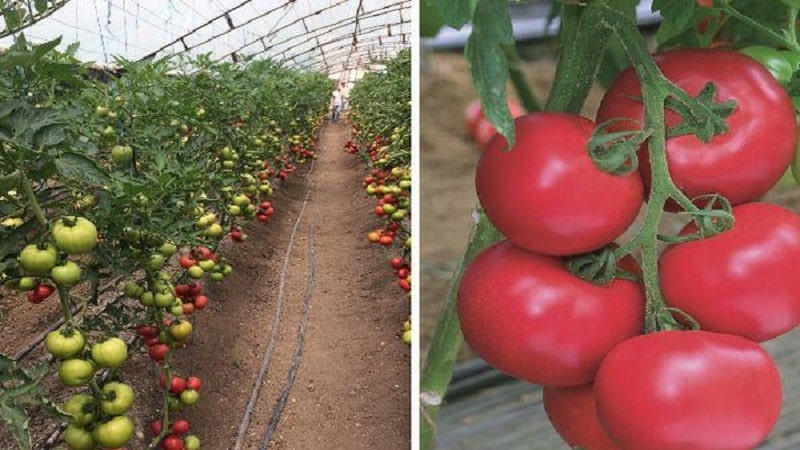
point(141, 177)
point(381, 119)
point(703, 126)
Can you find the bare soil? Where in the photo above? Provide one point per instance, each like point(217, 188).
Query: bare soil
point(352, 384)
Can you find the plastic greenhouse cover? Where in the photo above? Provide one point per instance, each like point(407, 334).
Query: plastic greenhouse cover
point(335, 36)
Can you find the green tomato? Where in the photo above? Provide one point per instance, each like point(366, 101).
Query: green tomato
point(110, 353)
point(191, 442)
point(214, 230)
point(176, 310)
point(190, 397)
point(227, 164)
point(164, 299)
point(773, 60)
point(114, 433)
point(121, 154)
point(404, 184)
point(117, 398)
point(168, 249)
point(217, 276)
point(147, 299)
point(195, 272)
point(388, 208)
point(133, 290)
point(234, 210)
point(75, 372)
point(241, 200)
point(77, 438)
point(38, 261)
point(27, 283)
point(174, 403)
point(156, 261)
point(206, 264)
point(64, 343)
point(67, 274)
point(101, 111)
point(75, 235)
point(82, 408)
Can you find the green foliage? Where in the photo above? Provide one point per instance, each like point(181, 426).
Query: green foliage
point(381, 108)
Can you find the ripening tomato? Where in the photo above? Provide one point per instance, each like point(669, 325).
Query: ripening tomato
point(528, 316)
point(194, 383)
point(677, 390)
point(741, 164)
point(573, 414)
point(546, 195)
point(740, 281)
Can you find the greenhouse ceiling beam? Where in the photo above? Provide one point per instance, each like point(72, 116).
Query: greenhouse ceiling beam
point(31, 17)
point(346, 64)
point(196, 29)
point(283, 56)
point(382, 41)
point(219, 35)
point(354, 43)
point(387, 9)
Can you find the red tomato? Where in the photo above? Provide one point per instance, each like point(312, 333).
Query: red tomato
point(547, 196)
point(741, 281)
point(200, 302)
point(473, 115)
point(677, 390)
point(741, 164)
point(528, 316)
point(180, 426)
point(194, 383)
point(573, 414)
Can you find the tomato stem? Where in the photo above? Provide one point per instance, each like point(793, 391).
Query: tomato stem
point(66, 305)
point(524, 92)
point(790, 43)
point(31, 196)
point(446, 341)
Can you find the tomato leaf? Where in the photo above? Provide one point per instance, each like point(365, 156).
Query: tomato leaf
point(74, 165)
point(488, 65)
point(456, 12)
point(677, 18)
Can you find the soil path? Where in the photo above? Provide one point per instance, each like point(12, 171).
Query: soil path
point(351, 386)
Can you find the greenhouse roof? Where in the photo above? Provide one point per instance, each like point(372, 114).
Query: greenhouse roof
point(335, 36)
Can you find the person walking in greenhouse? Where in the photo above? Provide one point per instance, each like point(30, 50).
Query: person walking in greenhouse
point(345, 95)
point(336, 105)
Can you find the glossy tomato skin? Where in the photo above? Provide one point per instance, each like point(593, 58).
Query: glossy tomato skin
point(573, 414)
point(546, 195)
point(526, 315)
point(678, 390)
point(743, 163)
point(742, 281)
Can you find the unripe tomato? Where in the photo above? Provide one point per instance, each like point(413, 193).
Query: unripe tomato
point(67, 274)
point(110, 353)
point(64, 342)
point(180, 330)
point(114, 433)
point(74, 235)
point(38, 261)
point(81, 408)
point(189, 397)
point(75, 372)
point(118, 398)
point(77, 438)
point(191, 442)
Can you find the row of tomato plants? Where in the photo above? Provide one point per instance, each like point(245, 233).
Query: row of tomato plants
point(381, 119)
point(139, 177)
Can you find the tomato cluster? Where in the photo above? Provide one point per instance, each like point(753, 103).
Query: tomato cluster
point(525, 310)
point(381, 119)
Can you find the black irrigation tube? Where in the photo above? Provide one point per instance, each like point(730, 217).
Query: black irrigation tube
point(301, 333)
point(259, 381)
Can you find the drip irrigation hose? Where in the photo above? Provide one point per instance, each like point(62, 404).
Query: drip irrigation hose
point(259, 381)
point(301, 333)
